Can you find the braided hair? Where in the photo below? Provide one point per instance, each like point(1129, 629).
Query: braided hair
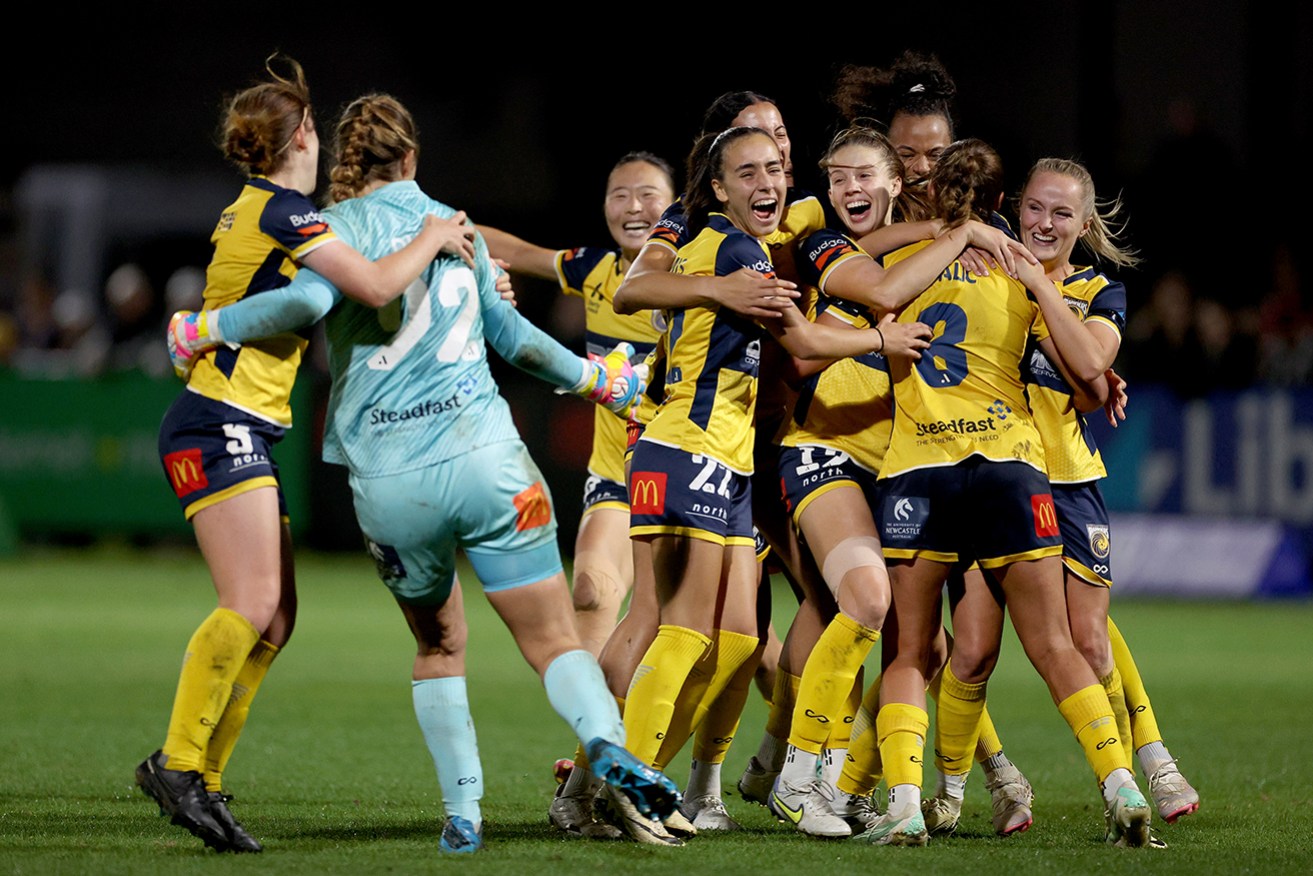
point(373, 136)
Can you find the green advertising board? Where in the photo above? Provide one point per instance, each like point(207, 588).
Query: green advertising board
point(79, 455)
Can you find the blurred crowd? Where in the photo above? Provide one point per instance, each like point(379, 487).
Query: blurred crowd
point(51, 332)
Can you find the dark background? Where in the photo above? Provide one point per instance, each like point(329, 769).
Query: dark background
point(521, 119)
point(1198, 114)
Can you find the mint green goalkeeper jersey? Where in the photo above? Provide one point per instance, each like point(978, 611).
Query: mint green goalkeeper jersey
point(411, 385)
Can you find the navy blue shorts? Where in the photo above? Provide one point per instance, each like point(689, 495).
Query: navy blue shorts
point(1086, 536)
point(995, 513)
point(674, 492)
point(810, 471)
point(212, 451)
point(600, 492)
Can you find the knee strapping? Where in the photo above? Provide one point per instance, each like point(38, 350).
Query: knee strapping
point(851, 553)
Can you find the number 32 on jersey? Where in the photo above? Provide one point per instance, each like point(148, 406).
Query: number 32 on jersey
point(456, 289)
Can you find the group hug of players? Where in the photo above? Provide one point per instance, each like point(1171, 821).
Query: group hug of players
point(883, 393)
point(887, 392)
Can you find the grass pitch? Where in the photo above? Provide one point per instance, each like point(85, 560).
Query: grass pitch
point(333, 777)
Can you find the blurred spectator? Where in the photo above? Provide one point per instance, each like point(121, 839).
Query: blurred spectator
point(1159, 342)
point(184, 290)
point(134, 322)
point(35, 313)
point(1285, 327)
point(1228, 358)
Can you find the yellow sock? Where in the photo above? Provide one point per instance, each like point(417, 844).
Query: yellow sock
point(214, 656)
point(988, 744)
point(1112, 686)
point(863, 768)
point(708, 680)
point(1089, 716)
point(230, 725)
point(660, 676)
point(691, 695)
point(957, 722)
point(901, 729)
point(865, 717)
point(841, 734)
point(1144, 725)
point(782, 703)
point(716, 728)
point(827, 679)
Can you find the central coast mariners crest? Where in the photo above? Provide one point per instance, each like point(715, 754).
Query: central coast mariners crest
point(1100, 541)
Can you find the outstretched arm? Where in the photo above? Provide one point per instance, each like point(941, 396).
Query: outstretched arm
point(522, 256)
point(611, 382)
point(305, 301)
point(888, 289)
point(650, 285)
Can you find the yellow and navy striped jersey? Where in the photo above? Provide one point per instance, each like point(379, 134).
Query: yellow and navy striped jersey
point(594, 274)
point(803, 216)
point(1069, 447)
point(258, 243)
point(964, 397)
point(849, 406)
point(712, 357)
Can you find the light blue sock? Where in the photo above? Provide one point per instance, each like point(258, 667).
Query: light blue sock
point(578, 692)
point(443, 710)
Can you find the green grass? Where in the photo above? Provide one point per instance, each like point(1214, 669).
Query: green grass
point(332, 774)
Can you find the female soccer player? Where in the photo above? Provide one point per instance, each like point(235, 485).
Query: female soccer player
point(216, 443)
point(749, 294)
point(833, 447)
point(689, 480)
point(435, 463)
point(914, 98)
point(1058, 208)
point(963, 441)
point(639, 189)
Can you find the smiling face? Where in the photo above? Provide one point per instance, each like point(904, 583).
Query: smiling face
point(767, 117)
point(636, 195)
point(919, 140)
point(750, 184)
point(862, 190)
point(1053, 218)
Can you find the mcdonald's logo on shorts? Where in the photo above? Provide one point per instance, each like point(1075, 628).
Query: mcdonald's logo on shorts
point(532, 508)
point(1046, 516)
point(647, 492)
point(186, 472)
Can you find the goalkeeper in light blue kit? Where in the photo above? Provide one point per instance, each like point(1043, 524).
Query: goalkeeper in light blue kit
point(436, 461)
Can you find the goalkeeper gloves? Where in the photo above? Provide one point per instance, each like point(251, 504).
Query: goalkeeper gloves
point(611, 381)
point(191, 333)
